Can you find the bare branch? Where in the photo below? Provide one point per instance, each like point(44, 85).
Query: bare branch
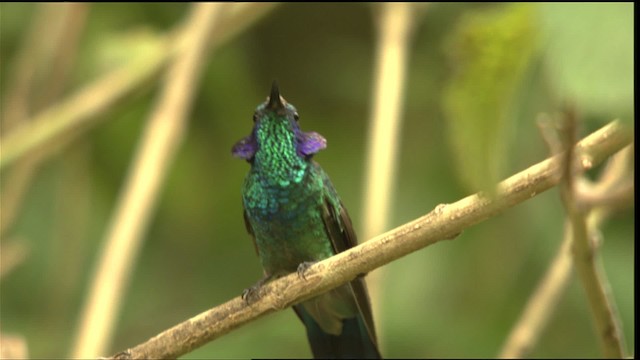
point(615, 188)
point(542, 303)
point(524, 335)
point(586, 259)
point(395, 22)
point(94, 99)
point(14, 252)
point(13, 346)
point(156, 149)
point(445, 222)
point(63, 23)
point(78, 112)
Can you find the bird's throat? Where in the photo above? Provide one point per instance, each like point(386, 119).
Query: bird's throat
point(277, 160)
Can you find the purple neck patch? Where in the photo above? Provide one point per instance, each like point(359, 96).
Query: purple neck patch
point(245, 148)
point(310, 143)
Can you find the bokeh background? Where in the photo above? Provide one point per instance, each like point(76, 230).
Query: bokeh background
point(472, 69)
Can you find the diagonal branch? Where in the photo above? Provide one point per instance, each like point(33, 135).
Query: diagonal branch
point(158, 144)
point(444, 222)
point(395, 25)
point(82, 107)
point(78, 113)
point(60, 25)
point(613, 191)
point(586, 258)
point(542, 303)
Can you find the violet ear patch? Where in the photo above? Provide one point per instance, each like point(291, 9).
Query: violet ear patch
point(245, 148)
point(310, 143)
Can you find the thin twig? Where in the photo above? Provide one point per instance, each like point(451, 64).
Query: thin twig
point(542, 303)
point(26, 98)
point(445, 222)
point(13, 346)
point(15, 108)
point(156, 149)
point(394, 25)
point(13, 253)
point(65, 48)
point(615, 188)
point(586, 259)
point(524, 335)
point(83, 107)
point(394, 30)
point(24, 67)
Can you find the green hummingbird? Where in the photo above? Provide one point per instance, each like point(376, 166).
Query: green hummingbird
point(296, 217)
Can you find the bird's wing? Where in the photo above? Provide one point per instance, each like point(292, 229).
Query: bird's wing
point(340, 230)
point(247, 224)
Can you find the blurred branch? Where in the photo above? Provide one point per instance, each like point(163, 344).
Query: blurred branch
point(524, 335)
point(394, 24)
point(586, 259)
point(16, 108)
point(615, 188)
point(394, 31)
point(82, 107)
point(13, 253)
point(59, 26)
point(541, 304)
point(72, 20)
point(445, 222)
point(237, 18)
point(23, 65)
point(149, 167)
point(13, 347)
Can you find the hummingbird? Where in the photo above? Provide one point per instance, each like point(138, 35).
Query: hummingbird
point(295, 217)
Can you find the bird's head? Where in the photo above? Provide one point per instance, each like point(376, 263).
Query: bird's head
point(276, 132)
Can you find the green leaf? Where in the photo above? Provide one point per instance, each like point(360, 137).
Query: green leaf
point(589, 55)
point(490, 50)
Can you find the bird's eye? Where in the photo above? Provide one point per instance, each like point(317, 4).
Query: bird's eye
point(296, 117)
point(255, 117)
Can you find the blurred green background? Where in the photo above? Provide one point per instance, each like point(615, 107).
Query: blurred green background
point(455, 299)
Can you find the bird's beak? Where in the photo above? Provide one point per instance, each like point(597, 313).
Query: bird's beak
point(276, 102)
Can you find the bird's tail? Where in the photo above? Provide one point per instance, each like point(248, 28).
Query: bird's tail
point(353, 343)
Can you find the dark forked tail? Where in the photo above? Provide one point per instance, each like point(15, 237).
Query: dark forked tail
point(353, 343)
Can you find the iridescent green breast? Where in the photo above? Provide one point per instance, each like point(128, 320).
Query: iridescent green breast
point(287, 219)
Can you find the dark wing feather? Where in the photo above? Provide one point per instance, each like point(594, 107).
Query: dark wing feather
point(340, 230)
point(247, 224)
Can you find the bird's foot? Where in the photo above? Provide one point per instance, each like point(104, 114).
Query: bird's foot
point(302, 268)
point(251, 294)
